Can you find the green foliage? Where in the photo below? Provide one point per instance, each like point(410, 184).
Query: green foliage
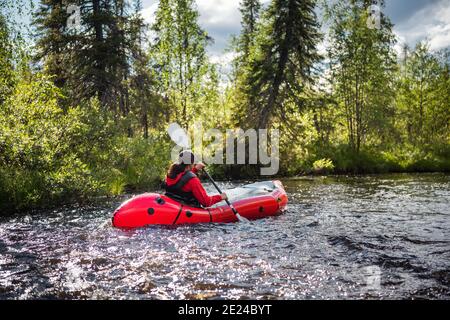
point(7, 78)
point(348, 160)
point(362, 71)
point(136, 163)
point(37, 160)
point(323, 166)
point(423, 97)
point(179, 56)
point(250, 11)
point(49, 155)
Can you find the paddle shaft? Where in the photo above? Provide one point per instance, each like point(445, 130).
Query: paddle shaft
point(220, 191)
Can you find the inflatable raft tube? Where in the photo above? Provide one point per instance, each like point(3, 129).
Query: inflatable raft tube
point(252, 201)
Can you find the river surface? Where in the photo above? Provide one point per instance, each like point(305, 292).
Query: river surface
point(368, 237)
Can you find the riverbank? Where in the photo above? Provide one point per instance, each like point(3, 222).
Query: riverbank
point(126, 191)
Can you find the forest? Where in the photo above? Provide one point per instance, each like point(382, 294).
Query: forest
point(84, 109)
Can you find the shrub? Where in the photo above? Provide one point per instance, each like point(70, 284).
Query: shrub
point(323, 166)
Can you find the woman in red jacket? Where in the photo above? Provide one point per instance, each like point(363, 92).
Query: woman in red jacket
point(182, 183)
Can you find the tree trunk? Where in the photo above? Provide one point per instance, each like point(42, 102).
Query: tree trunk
point(98, 27)
point(275, 88)
point(145, 124)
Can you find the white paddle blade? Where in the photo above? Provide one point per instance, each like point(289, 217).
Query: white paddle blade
point(241, 218)
point(179, 135)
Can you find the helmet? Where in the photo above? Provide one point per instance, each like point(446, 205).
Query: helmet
point(186, 157)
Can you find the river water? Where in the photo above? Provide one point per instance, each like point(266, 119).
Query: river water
point(368, 237)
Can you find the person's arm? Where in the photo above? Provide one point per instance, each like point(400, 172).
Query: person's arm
point(200, 194)
point(198, 167)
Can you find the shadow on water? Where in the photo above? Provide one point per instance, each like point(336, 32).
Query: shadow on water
point(342, 237)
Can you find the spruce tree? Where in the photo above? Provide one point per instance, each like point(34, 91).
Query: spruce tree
point(250, 11)
point(94, 61)
point(53, 40)
point(145, 103)
point(243, 47)
point(284, 57)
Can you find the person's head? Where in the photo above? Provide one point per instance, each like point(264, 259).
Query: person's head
point(186, 161)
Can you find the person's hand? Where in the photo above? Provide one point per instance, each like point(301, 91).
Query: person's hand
point(199, 166)
point(224, 196)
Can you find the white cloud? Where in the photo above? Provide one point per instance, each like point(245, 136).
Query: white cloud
point(431, 22)
point(322, 46)
point(398, 47)
point(223, 59)
point(149, 13)
point(219, 13)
